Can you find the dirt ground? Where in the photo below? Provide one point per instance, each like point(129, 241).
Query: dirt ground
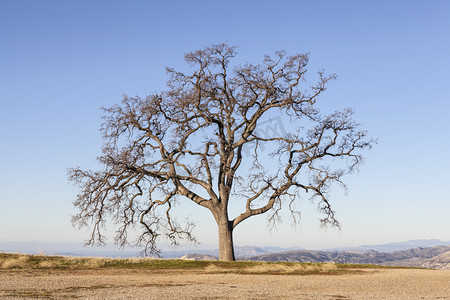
point(142, 284)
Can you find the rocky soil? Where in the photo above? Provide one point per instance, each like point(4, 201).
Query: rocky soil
point(145, 284)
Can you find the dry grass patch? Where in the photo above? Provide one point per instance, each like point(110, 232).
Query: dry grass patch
point(294, 268)
point(47, 264)
point(273, 268)
point(20, 261)
point(17, 262)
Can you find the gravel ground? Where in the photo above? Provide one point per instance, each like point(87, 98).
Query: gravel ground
point(139, 284)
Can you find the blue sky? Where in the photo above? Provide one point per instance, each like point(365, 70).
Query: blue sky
point(60, 61)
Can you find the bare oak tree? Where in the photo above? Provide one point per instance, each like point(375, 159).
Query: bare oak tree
point(199, 141)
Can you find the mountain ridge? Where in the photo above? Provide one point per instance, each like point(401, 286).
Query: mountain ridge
point(366, 257)
point(437, 257)
point(396, 246)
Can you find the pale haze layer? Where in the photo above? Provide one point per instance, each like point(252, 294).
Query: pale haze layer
point(61, 61)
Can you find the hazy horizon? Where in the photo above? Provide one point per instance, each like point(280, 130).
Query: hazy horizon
point(73, 248)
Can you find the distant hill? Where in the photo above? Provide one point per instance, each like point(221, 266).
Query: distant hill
point(238, 251)
point(198, 257)
point(391, 247)
point(252, 251)
point(436, 257)
point(441, 261)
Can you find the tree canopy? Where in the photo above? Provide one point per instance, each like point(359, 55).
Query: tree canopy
point(201, 141)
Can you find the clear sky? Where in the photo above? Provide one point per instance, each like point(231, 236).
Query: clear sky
point(60, 61)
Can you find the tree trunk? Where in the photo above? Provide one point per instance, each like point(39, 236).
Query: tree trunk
point(226, 249)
